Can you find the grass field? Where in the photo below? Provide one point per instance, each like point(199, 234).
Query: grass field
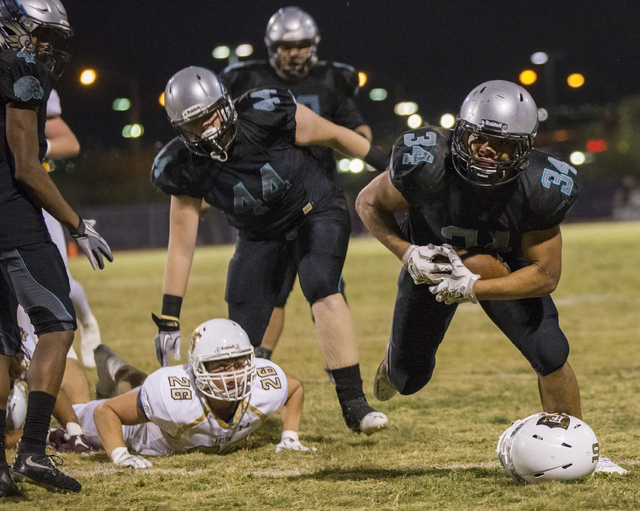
point(439, 449)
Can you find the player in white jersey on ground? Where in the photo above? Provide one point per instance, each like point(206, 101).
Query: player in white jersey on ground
point(210, 404)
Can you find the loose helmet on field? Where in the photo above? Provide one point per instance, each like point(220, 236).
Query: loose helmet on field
point(22, 21)
point(295, 27)
point(548, 446)
point(194, 96)
point(500, 110)
point(222, 360)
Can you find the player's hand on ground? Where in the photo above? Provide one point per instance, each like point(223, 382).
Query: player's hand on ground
point(64, 443)
point(121, 456)
point(418, 261)
point(459, 286)
point(167, 339)
point(290, 442)
point(91, 243)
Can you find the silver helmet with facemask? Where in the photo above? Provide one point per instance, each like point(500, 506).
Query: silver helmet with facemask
point(222, 360)
point(505, 113)
point(201, 112)
point(40, 26)
point(292, 27)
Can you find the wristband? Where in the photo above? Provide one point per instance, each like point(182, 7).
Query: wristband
point(289, 434)
point(377, 159)
point(118, 454)
point(171, 306)
point(73, 429)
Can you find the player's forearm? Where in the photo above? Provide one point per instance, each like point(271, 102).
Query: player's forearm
point(292, 410)
point(109, 427)
point(382, 225)
point(529, 282)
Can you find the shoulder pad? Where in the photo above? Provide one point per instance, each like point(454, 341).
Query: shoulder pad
point(241, 66)
point(418, 162)
point(267, 108)
point(176, 170)
point(24, 78)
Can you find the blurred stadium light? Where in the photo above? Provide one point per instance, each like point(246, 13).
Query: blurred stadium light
point(575, 80)
point(406, 108)
point(528, 77)
point(378, 94)
point(447, 121)
point(414, 121)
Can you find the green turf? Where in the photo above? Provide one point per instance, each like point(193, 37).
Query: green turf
point(439, 450)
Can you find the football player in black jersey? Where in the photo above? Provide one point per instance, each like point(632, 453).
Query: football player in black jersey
point(480, 185)
point(32, 271)
point(327, 88)
point(245, 158)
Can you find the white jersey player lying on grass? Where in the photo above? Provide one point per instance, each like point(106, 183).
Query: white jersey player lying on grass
point(211, 404)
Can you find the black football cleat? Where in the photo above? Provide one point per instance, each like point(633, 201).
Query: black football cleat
point(7, 487)
point(361, 418)
point(40, 469)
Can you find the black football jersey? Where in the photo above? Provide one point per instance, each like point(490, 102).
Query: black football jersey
point(25, 81)
point(267, 185)
point(445, 208)
point(328, 90)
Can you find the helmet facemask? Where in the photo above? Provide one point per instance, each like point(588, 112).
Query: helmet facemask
point(214, 140)
point(485, 172)
point(292, 66)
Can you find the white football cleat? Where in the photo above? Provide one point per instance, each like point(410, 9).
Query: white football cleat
point(89, 340)
point(383, 389)
point(372, 422)
point(606, 466)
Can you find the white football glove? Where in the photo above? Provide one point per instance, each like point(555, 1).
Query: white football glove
point(91, 243)
point(457, 287)
point(418, 261)
point(122, 457)
point(290, 442)
point(167, 339)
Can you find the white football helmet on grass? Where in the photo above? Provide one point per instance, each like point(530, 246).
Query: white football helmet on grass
point(548, 446)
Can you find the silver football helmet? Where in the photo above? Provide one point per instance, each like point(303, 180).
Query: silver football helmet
point(46, 20)
point(222, 360)
point(192, 97)
point(501, 110)
point(553, 446)
point(292, 26)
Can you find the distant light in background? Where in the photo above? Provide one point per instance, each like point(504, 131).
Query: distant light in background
point(575, 80)
point(543, 115)
point(623, 146)
point(561, 135)
point(447, 121)
point(132, 131)
point(244, 50)
point(221, 52)
point(597, 145)
point(406, 108)
point(121, 104)
point(528, 77)
point(356, 166)
point(161, 99)
point(362, 78)
point(414, 121)
point(87, 77)
point(378, 94)
point(343, 164)
point(539, 58)
point(577, 158)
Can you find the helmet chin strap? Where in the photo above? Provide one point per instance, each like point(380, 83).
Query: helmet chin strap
point(221, 157)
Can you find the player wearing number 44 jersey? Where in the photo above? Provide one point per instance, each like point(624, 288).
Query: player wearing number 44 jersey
point(246, 159)
point(211, 404)
point(480, 185)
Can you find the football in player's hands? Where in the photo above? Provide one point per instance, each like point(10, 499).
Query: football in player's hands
point(482, 261)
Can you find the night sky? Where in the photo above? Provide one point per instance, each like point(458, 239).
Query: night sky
point(431, 52)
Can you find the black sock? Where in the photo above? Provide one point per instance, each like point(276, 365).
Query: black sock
point(36, 426)
point(348, 383)
point(3, 425)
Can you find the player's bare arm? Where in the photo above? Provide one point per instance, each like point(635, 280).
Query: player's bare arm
point(183, 231)
point(292, 409)
point(543, 250)
point(313, 129)
point(22, 137)
point(109, 417)
point(376, 205)
point(62, 142)
point(365, 131)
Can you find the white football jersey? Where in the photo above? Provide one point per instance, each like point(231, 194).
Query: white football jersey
point(180, 418)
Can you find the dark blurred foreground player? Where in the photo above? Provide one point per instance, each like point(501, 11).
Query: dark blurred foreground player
point(245, 159)
point(327, 88)
point(33, 274)
point(480, 185)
